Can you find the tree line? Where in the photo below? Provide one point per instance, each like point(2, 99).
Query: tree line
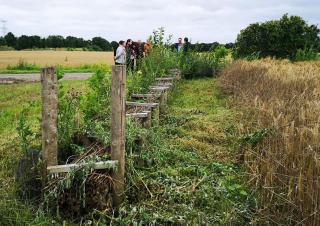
point(56, 41)
point(95, 44)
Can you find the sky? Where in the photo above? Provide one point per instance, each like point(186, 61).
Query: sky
point(200, 20)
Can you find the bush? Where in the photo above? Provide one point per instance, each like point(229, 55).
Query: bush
point(23, 65)
point(92, 48)
point(5, 48)
point(194, 64)
point(306, 54)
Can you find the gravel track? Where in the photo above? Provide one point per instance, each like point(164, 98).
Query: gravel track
point(18, 78)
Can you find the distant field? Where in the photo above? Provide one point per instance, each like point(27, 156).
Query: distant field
point(51, 58)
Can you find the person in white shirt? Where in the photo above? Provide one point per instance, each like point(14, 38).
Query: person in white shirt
point(120, 58)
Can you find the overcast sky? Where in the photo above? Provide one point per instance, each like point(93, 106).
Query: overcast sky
point(201, 20)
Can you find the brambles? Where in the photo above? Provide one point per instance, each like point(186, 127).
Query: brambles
point(281, 122)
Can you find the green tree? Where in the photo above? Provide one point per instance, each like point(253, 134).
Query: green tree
point(55, 41)
point(102, 43)
point(74, 42)
point(11, 40)
point(23, 42)
point(277, 38)
point(35, 41)
point(114, 46)
point(2, 41)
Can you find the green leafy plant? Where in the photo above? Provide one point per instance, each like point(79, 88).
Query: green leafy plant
point(255, 136)
point(194, 64)
point(25, 133)
point(306, 54)
point(23, 65)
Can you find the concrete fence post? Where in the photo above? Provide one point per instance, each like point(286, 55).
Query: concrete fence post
point(118, 117)
point(49, 97)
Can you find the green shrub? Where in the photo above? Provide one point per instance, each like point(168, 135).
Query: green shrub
point(194, 64)
point(155, 65)
point(306, 54)
point(23, 65)
point(6, 48)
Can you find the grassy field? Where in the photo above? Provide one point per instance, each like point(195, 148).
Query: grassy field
point(52, 58)
point(13, 98)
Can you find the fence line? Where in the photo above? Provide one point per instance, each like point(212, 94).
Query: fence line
point(149, 111)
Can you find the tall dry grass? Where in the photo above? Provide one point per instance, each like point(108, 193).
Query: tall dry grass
point(284, 165)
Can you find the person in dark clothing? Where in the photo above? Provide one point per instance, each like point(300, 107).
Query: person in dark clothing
point(186, 45)
point(139, 47)
point(131, 55)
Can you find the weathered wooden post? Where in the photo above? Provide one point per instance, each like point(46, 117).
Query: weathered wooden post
point(49, 97)
point(118, 118)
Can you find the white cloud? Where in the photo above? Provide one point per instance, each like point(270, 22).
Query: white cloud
point(200, 20)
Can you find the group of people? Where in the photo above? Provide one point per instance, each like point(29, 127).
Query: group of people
point(182, 46)
point(131, 53)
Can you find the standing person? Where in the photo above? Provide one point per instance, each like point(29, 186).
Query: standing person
point(147, 48)
point(179, 45)
point(120, 58)
point(139, 53)
point(130, 54)
point(186, 45)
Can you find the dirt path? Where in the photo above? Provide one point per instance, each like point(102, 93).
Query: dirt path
point(17, 78)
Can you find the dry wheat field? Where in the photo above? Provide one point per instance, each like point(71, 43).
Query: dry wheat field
point(51, 57)
point(281, 100)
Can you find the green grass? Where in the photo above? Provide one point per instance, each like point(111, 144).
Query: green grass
point(205, 108)
point(13, 98)
point(185, 174)
point(26, 68)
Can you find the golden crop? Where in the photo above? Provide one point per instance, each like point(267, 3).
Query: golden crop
point(285, 165)
point(51, 57)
